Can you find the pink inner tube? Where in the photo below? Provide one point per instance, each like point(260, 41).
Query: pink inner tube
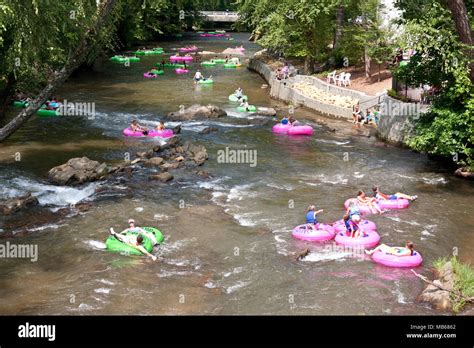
point(188, 49)
point(393, 203)
point(181, 71)
point(365, 225)
point(167, 133)
point(185, 59)
point(370, 239)
point(364, 209)
point(397, 261)
point(149, 76)
point(307, 232)
point(281, 128)
point(300, 130)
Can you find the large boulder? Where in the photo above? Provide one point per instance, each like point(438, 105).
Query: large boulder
point(436, 296)
point(12, 205)
point(78, 170)
point(196, 111)
point(264, 111)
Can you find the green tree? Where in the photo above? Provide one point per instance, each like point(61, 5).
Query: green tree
point(442, 61)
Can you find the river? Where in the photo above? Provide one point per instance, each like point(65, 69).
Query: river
point(228, 247)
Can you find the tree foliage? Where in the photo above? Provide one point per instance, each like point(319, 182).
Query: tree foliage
point(440, 60)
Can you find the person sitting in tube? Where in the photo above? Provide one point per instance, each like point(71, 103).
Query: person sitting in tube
point(197, 76)
point(311, 216)
point(137, 127)
point(239, 93)
point(160, 126)
point(293, 121)
point(136, 241)
point(354, 228)
point(398, 195)
point(152, 72)
point(370, 202)
point(397, 251)
point(245, 104)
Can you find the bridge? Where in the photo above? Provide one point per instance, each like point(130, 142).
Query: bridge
point(220, 16)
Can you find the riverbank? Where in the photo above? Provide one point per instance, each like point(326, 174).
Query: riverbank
point(397, 121)
point(453, 288)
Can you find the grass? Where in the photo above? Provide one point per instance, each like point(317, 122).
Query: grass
point(463, 280)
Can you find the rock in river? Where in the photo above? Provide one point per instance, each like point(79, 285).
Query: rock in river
point(77, 171)
point(12, 205)
point(196, 112)
point(163, 177)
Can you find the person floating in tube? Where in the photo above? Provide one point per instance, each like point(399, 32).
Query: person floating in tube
point(239, 93)
point(197, 77)
point(137, 127)
point(136, 241)
point(160, 126)
point(397, 251)
point(398, 195)
point(245, 104)
point(311, 216)
point(293, 121)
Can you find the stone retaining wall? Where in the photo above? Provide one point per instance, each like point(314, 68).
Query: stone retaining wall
point(395, 126)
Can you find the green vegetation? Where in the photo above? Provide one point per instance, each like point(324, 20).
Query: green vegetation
point(463, 281)
point(441, 60)
point(42, 42)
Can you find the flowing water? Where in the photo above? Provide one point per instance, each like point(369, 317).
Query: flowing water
point(228, 247)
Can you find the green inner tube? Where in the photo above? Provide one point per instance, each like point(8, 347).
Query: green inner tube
point(218, 60)
point(172, 65)
point(211, 32)
point(206, 81)
point(157, 72)
point(230, 65)
point(119, 59)
point(113, 244)
point(20, 104)
point(199, 32)
point(250, 108)
point(233, 98)
point(208, 63)
point(148, 52)
point(46, 113)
